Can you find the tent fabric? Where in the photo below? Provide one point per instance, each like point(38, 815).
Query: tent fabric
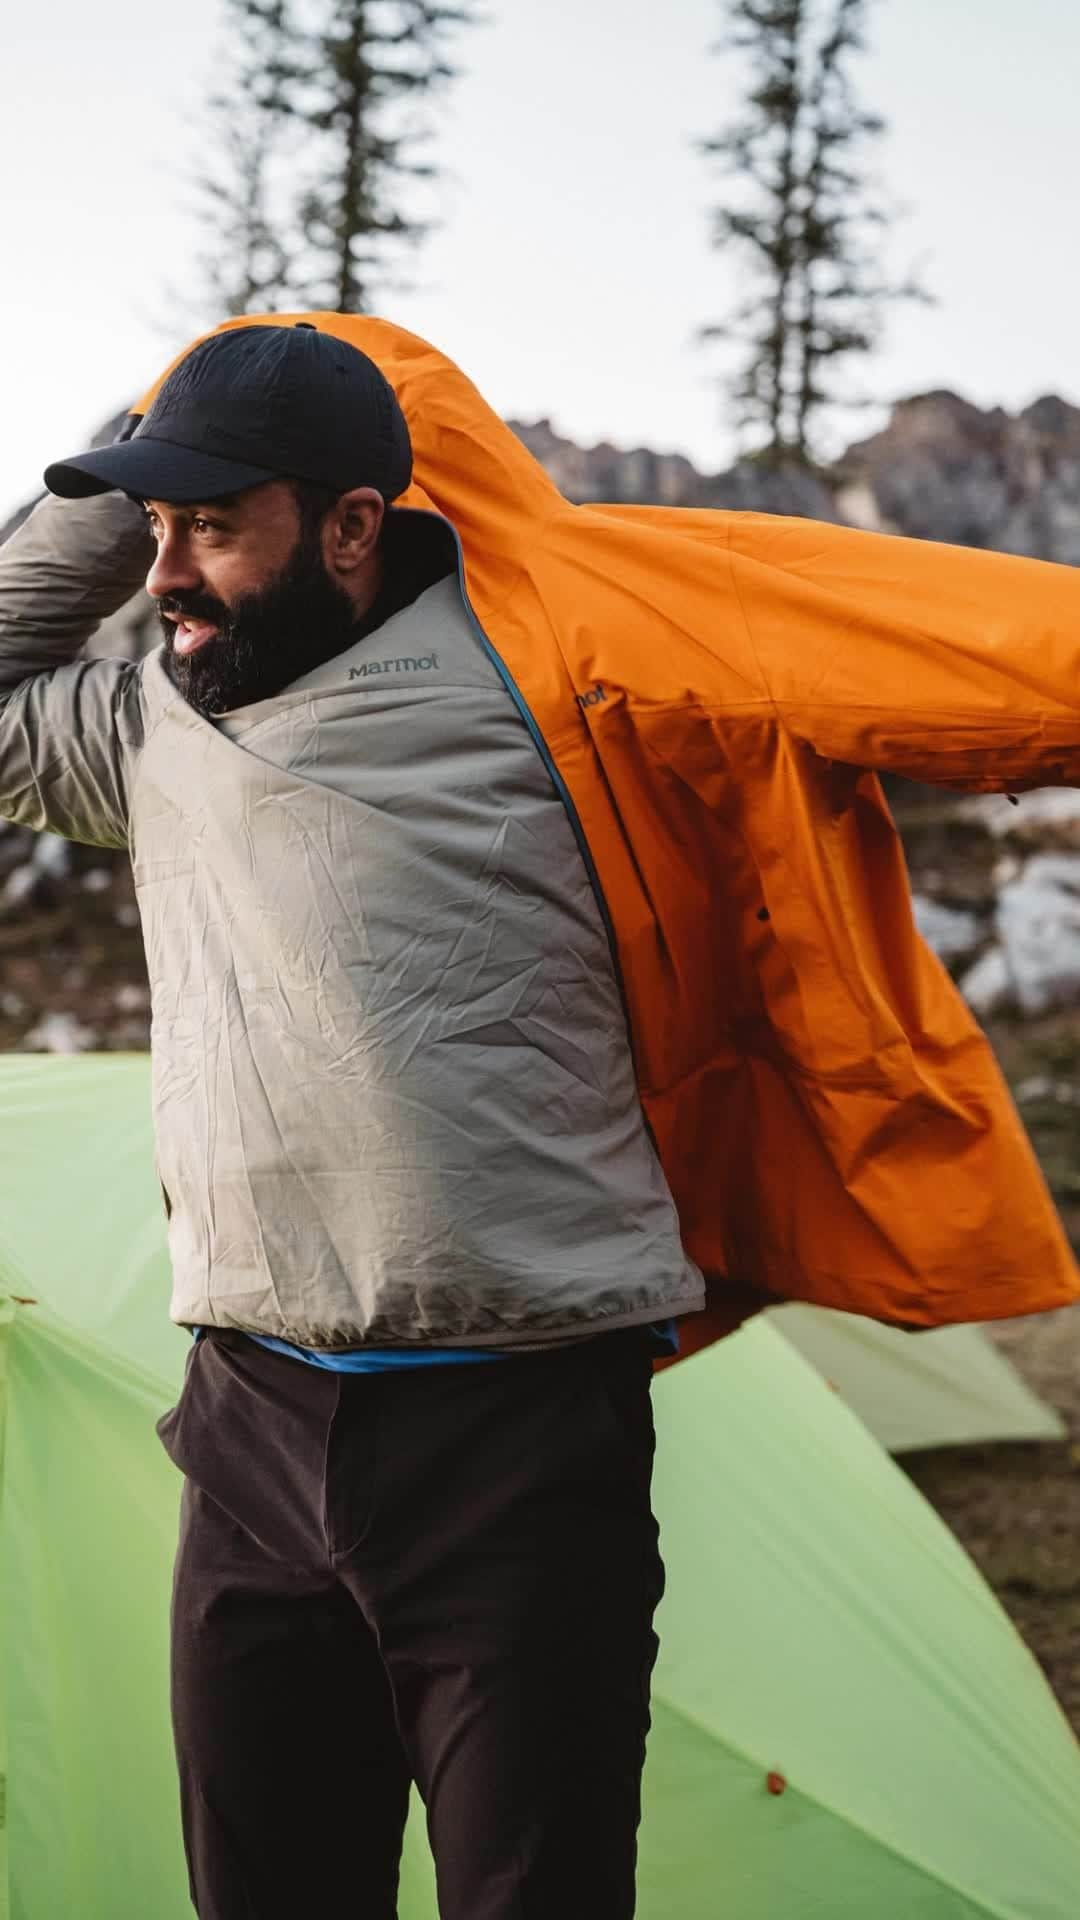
point(87, 1528)
point(822, 1622)
point(845, 1722)
point(82, 1222)
point(942, 1389)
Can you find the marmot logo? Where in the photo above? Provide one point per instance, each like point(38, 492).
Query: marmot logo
point(408, 664)
point(592, 698)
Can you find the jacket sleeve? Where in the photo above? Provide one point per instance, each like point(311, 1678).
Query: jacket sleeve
point(69, 730)
point(952, 666)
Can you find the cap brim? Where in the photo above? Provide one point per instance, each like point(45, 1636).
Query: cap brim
point(152, 469)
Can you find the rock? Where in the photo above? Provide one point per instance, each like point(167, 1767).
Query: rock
point(754, 486)
point(1006, 870)
point(606, 472)
point(58, 1033)
point(857, 504)
point(992, 813)
point(636, 474)
point(23, 884)
point(1042, 1088)
point(1038, 924)
point(131, 999)
point(52, 855)
point(987, 986)
point(943, 469)
point(34, 881)
point(1045, 819)
point(953, 932)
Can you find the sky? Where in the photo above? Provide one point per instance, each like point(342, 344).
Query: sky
point(571, 269)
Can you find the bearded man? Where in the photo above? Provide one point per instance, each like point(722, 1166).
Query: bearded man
point(532, 965)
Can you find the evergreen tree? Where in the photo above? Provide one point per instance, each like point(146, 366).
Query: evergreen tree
point(801, 214)
point(320, 133)
point(371, 65)
point(245, 268)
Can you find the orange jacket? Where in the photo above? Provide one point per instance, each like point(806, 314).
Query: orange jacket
point(715, 693)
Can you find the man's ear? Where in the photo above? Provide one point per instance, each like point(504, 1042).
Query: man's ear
point(350, 532)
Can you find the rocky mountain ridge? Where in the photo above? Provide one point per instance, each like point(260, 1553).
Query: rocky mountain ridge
point(941, 469)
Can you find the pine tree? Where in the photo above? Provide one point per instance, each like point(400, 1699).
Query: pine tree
point(800, 212)
point(245, 266)
point(321, 134)
point(372, 65)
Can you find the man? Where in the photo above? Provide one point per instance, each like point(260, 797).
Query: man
point(398, 1125)
point(525, 943)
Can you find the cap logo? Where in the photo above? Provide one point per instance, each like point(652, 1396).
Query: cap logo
point(211, 431)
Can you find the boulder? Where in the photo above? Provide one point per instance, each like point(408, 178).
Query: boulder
point(953, 932)
point(1046, 819)
point(1038, 928)
point(943, 469)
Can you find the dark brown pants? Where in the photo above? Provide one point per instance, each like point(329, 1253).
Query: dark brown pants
point(446, 1575)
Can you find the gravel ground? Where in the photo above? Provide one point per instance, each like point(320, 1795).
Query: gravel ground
point(1016, 1508)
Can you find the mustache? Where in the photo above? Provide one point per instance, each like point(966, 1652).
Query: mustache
point(194, 606)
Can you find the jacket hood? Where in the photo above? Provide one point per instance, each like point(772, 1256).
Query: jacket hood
point(467, 464)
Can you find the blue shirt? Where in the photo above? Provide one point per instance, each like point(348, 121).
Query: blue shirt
point(664, 1334)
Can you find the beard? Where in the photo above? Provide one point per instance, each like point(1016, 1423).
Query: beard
point(265, 639)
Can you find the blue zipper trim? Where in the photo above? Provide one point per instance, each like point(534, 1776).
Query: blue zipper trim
point(572, 815)
point(552, 770)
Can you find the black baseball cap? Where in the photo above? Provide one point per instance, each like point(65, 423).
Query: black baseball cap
point(254, 404)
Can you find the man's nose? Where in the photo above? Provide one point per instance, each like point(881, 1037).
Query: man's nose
point(173, 571)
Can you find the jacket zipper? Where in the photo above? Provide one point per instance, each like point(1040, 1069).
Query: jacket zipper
point(544, 752)
point(563, 792)
point(578, 830)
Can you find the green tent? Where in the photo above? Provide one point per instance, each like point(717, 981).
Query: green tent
point(845, 1724)
point(942, 1389)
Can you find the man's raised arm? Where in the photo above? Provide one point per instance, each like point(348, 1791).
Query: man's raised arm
point(69, 728)
point(952, 666)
